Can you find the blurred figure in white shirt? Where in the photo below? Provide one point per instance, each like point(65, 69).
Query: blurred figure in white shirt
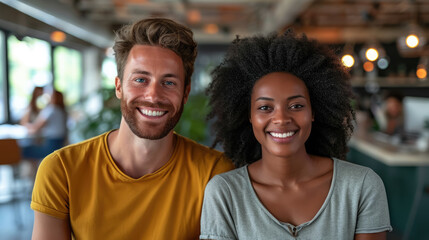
point(51, 126)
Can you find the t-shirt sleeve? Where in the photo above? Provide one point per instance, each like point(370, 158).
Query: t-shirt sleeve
point(50, 192)
point(223, 164)
point(373, 215)
point(216, 219)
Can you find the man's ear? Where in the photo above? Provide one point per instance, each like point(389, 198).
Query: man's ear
point(186, 93)
point(118, 87)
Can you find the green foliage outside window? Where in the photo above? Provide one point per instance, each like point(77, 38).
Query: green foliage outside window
point(68, 73)
point(30, 65)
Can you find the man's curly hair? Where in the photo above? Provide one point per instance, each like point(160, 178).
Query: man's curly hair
point(249, 59)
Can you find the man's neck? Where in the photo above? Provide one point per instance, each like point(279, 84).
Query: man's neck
point(136, 156)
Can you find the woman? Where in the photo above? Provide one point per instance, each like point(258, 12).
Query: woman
point(282, 112)
point(51, 125)
point(33, 110)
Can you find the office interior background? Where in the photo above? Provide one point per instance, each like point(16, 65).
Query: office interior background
point(66, 45)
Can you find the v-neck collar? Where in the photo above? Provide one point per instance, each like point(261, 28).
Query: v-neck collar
point(289, 226)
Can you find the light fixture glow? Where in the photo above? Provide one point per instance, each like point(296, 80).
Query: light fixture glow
point(368, 66)
point(421, 73)
point(371, 54)
point(58, 36)
point(211, 28)
point(383, 63)
point(348, 60)
point(194, 16)
point(412, 41)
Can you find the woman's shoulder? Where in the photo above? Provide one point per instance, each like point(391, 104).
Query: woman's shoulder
point(349, 168)
point(235, 178)
point(354, 173)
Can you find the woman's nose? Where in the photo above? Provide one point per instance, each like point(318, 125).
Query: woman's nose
point(281, 116)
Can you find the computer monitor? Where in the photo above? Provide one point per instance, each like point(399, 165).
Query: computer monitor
point(416, 112)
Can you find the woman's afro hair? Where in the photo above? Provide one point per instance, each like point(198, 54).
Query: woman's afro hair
point(249, 59)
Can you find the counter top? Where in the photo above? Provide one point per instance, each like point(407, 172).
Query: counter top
point(389, 154)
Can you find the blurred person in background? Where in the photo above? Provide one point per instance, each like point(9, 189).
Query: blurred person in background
point(394, 113)
point(51, 126)
point(32, 110)
point(143, 180)
point(387, 114)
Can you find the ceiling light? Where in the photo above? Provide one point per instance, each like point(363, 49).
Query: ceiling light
point(383, 63)
point(372, 51)
point(193, 16)
point(211, 28)
point(421, 73)
point(371, 54)
point(58, 36)
point(368, 66)
point(422, 68)
point(412, 41)
point(348, 60)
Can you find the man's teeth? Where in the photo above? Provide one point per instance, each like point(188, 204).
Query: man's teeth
point(152, 113)
point(282, 135)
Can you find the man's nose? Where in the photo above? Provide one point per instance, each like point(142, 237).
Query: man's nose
point(153, 91)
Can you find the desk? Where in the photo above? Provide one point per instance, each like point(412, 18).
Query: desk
point(405, 176)
point(13, 131)
point(389, 154)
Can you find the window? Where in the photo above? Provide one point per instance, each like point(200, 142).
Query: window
point(3, 99)
point(68, 73)
point(30, 66)
point(108, 72)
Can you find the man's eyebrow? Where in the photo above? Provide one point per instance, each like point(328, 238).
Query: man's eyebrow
point(170, 75)
point(141, 72)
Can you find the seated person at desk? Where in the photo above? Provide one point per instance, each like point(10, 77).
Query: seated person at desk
point(393, 112)
point(388, 115)
point(50, 126)
point(32, 110)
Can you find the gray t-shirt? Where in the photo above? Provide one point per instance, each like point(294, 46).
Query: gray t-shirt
point(356, 203)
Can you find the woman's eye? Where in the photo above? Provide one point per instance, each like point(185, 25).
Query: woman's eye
point(264, 108)
point(296, 106)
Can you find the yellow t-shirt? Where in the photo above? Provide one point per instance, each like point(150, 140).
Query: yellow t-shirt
point(82, 182)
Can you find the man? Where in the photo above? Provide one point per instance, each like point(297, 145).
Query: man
point(142, 181)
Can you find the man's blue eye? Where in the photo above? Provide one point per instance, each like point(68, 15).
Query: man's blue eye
point(169, 83)
point(140, 80)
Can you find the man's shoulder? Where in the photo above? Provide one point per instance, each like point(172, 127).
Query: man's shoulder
point(202, 155)
point(87, 145)
point(193, 147)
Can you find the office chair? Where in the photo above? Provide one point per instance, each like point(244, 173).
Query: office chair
point(10, 154)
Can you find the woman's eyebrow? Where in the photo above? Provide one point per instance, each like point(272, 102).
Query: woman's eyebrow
point(271, 99)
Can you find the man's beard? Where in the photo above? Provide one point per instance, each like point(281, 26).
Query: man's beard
point(129, 115)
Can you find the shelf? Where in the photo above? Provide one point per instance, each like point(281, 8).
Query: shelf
point(400, 82)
